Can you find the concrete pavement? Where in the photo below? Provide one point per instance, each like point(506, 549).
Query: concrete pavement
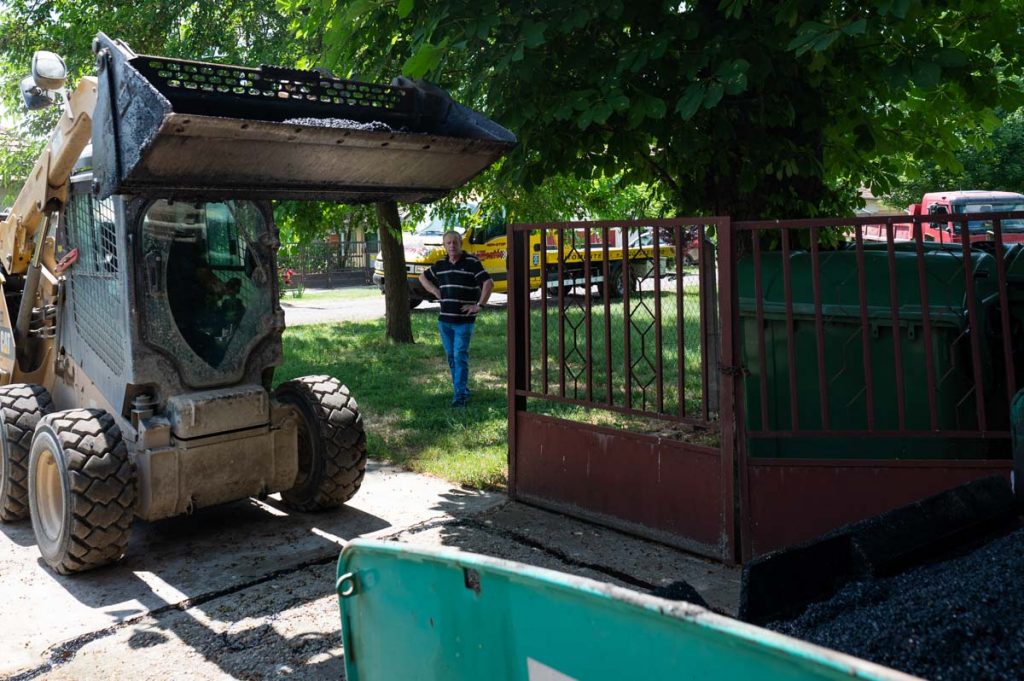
point(246, 590)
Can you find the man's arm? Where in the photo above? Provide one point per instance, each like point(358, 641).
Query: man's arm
point(431, 288)
point(485, 293)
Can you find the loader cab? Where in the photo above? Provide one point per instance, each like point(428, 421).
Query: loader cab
point(208, 278)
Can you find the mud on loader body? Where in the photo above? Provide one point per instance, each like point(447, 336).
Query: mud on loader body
point(140, 323)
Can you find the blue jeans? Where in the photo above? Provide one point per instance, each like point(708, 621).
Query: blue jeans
point(455, 339)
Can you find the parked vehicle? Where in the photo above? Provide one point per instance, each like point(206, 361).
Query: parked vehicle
point(139, 318)
point(957, 203)
point(488, 242)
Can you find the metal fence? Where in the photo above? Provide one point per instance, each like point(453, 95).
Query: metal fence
point(877, 370)
point(327, 264)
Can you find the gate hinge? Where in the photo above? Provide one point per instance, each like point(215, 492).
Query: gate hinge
point(733, 370)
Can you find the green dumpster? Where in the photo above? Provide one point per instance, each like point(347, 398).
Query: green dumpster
point(844, 359)
point(440, 614)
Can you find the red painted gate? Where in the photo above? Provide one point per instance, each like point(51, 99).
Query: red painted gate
point(614, 413)
point(737, 388)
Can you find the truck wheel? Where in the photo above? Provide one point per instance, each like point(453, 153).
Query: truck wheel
point(21, 407)
point(81, 490)
point(332, 444)
point(616, 283)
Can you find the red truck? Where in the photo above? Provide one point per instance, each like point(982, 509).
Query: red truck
point(957, 203)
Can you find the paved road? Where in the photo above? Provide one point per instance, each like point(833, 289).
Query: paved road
point(298, 311)
point(246, 590)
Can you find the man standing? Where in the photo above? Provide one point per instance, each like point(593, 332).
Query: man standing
point(463, 286)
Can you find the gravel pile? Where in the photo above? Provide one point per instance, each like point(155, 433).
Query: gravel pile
point(962, 618)
point(372, 126)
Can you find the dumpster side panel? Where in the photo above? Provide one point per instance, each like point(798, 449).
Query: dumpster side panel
point(845, 336)
point(417, 613)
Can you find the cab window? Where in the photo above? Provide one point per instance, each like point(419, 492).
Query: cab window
point(493, 228)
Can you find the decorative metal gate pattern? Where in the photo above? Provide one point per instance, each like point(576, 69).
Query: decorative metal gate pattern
point(614, 411)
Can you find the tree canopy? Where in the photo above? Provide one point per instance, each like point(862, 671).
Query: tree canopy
point(994, 164)
point(232, 31)
point(746, 107)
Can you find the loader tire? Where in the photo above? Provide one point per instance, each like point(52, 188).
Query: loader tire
point(21, 407)
point(331, 446)
point(81, 490)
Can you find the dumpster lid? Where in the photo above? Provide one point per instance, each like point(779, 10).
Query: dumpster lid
point(181, 128)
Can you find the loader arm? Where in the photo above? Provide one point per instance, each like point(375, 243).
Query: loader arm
point(46, 188)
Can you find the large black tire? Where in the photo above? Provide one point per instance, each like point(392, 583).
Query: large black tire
point(21, 407)
point(81, 490)
point(332, 443)
point(616, 284)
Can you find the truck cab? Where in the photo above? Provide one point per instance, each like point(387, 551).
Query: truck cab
point(967, 202)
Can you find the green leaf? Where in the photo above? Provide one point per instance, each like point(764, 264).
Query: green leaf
point(733, 9)
point(619, 102)
point(425, 59)
point(601, 112)
point(952, 58)
point(989, 121)
point(405, 8)
point(713, 95)
point(635, 117)
point(856, 28)
point(533, 33)
point(865, 141)
point(691, 100)
point(655, 107)
point(900, 8)
point(354, 10)
point(807, 36)
point(926, 74)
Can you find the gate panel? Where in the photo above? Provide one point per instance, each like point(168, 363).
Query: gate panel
point(649, 486)
point(878, 367)
point(793, 502)
point(618, 323)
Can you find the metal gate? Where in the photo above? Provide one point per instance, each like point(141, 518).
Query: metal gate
point(853, 371)
point(877, 370)
point(617, 412)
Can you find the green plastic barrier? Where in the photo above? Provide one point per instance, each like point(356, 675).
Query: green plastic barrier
point(419, 613)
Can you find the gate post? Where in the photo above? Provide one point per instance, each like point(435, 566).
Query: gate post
point(712, 336)
point(728, 371)
point(518, 311)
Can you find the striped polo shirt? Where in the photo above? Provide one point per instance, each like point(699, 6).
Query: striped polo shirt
point(460, 283)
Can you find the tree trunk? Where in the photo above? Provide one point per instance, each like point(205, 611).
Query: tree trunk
point(396, 288)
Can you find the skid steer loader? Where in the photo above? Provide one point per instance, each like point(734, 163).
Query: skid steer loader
point(139, 321)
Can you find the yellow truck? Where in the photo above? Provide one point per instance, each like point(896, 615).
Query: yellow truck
point(489, 243)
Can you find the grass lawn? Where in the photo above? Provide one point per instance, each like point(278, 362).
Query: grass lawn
point(404, 390)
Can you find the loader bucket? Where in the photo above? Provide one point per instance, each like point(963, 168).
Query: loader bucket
point(182, 128)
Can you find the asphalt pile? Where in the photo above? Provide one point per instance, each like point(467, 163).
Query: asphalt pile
point(347, 123)
point(962, 618)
